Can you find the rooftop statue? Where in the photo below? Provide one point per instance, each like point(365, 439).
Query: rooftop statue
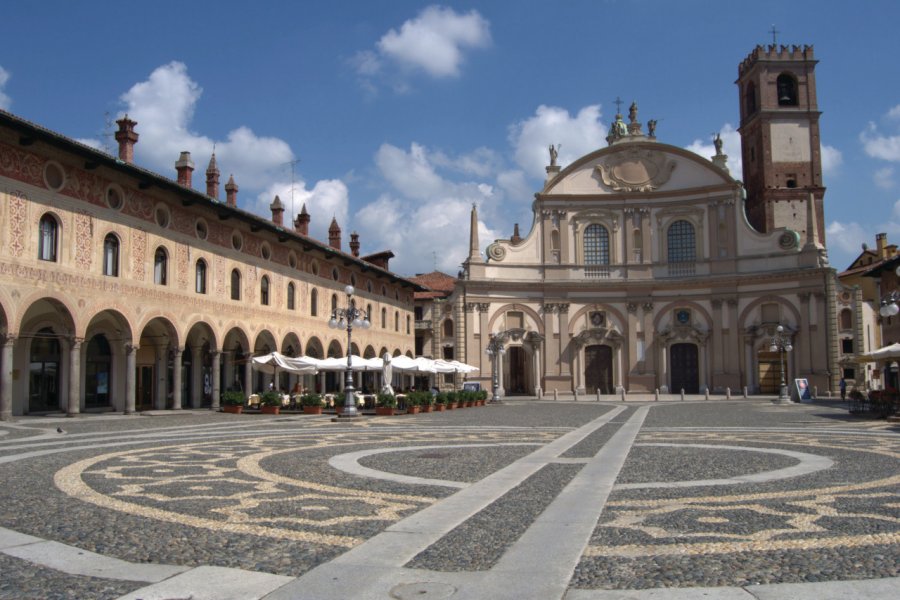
point(554, 152)
point(632, 112)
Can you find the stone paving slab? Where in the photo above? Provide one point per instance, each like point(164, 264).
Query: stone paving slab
point(211, 583)
point(864, 589)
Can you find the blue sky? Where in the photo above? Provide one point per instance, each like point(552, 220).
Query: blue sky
point(402, 114)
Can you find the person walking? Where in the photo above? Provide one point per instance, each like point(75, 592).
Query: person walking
point(843, 386)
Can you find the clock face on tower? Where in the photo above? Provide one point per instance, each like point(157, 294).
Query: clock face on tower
point(683, 317)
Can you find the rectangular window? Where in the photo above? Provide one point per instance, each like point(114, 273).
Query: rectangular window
point(847, 346)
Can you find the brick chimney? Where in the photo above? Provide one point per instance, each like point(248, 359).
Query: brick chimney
point(881, 245)
point(127, 138)
point(212, 178)
point(185, 167)
point(231, 190)
point(516, 238)
point(334, 234)
point(354, 244)
point(301, 222)
point(277, 211)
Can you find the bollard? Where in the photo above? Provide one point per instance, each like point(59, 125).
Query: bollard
point(598, 394)
point(556, 395)
point(682, 394)
point(576, 394)
point(622, 393)
point(728, 393)
point(745, 392)
point(815, 392)
point(706, 393)
point(656, 395)
point(540, 394)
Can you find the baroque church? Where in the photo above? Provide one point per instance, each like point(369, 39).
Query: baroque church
point(648, 267)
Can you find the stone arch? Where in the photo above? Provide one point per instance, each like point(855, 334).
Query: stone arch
point(236, 370)
point(158, 339)
point(615, 313)
point(196, 383)
point(535, 317)
point(314, 348)
point(105, 377)
point(60, 303)
point(47, 327)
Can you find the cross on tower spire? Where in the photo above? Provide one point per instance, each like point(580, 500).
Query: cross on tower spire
point(774, 32)
point(618, 104)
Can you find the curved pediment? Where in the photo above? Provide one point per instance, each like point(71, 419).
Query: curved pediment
point(631, 167)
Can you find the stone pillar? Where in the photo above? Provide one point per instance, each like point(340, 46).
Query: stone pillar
point(217, 378)
point(248, 378)
point(6, 360)
point(803, 342)
point(564, 358)
point(551, 359)
point(74, 405)
point(732, 359)
point(663, 365)
point(130, 378)
point(501, 390)
point(162, 372)
point(716, 343)
point(176, 378)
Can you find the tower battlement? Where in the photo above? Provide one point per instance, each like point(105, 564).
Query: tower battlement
point(775, 52)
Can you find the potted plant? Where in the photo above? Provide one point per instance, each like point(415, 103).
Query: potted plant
point(440, 402)
point(233, 402)
point(270, 403)
point(385, 405)
point(450, 402)
point(482, 396)
point(413, 401)
point(468, 398)
point(312, 404)
point(427, 403)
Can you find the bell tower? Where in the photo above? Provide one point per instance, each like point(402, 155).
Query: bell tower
point(780, 144)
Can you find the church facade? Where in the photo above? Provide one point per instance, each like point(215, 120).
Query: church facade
point(648, 267)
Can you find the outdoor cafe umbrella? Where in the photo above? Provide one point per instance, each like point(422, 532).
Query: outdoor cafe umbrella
point(886, 353)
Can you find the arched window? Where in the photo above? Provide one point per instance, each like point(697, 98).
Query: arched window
point(448, 328)
point(200, 278)
point(750, 98)
point(49, 238)
point(596, 251)
point(333, 303)
point(235, 284)
point(396, 320)
point(314, 302)
point(383, 318)
point(264, 291)
point(638, 244)
point(787, 90)
point(160, 266)
point(111, 255)
point(682, 248)
point(290, 296)
point(846, 319)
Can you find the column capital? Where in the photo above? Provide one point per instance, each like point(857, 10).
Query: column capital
point(130, 348)
point(7, 339)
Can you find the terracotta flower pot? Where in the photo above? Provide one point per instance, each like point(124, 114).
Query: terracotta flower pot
point(427, 408)
point(440, 407)
point(412, 410)
point(270, 410)
point(234, 409)
point(384, 411)
point(312, 410)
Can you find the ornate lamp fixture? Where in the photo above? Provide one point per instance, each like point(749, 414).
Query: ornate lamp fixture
point(348, 318)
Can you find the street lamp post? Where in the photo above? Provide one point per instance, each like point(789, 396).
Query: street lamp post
point(349, 318)
point(781, 343)
point(495, 349)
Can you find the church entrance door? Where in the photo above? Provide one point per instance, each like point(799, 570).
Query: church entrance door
point(685, 368)
point(598, 373)
point(516, 364)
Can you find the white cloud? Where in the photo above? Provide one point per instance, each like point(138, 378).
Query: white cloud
point(5, 100)
point(894, 113)
point(831, 159)
point(884, 178)
point(481, 162)
point(847, 237)
point(574, 136)
point(164, 106)
point(435, 40)
point(328, 198)
point(876, 145)
point(731, 146)
point(515, 186)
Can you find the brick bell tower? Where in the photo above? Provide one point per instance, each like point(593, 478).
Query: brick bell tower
point(780, 146)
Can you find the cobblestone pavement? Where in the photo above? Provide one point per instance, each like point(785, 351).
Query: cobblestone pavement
point(526, 499)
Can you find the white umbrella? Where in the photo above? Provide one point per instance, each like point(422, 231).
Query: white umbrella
point(886, 353)
point(357, 363)
point(387, 373)
point(270, 363)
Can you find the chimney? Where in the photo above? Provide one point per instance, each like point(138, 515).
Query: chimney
point(334, 234)
point(212, 178)
point(184, 166)
point(231, 190)
point(301, 222)
point(881, 245)
point(354, 244)
point(277, 211)
point(127, 138)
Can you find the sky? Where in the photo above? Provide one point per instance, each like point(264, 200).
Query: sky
point(395, 117)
